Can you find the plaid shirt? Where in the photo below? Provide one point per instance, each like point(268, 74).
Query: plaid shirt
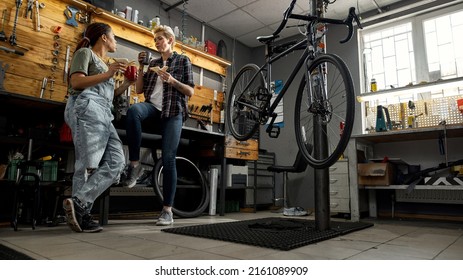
point(173, 101)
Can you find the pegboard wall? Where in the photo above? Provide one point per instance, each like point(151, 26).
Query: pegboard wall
point(428, 113)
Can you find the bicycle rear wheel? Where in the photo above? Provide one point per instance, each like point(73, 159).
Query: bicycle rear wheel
point(192, 193)
point(244, 102)
point(326, 115)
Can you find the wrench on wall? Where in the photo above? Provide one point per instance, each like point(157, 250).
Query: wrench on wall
point(13, 36)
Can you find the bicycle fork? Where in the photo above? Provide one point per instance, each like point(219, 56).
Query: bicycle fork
point(317, 96)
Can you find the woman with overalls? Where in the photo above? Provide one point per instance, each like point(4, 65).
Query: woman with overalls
point(99, 157)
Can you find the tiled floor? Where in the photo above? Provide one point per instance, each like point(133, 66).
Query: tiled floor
point(141, 239)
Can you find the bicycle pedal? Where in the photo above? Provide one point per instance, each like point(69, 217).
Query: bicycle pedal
point(273, 131)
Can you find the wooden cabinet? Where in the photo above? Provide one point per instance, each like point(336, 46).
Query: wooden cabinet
point(245, 150)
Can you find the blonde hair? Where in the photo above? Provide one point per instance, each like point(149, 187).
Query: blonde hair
point(167, 31)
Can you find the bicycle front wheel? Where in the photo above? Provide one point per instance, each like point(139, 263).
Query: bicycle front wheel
point(192, 193)
point(244, 102)
point(324, 112)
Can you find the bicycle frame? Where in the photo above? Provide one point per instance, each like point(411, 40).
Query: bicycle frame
point(308, 54)
point(309, 43)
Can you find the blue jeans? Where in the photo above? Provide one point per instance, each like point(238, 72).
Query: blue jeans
point(96, 143)
point(171, 129)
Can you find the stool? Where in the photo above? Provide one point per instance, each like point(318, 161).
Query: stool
point(299, 166)
point(21, 185)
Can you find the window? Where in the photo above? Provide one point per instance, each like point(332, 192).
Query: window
point(425, 48)
point(444, 46)
point(389, 56)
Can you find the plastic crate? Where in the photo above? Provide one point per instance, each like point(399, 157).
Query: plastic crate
point(49, 171)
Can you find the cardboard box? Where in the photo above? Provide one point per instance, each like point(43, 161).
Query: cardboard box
point(375, 174)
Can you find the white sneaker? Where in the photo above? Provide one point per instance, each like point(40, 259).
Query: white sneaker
point(295, 211)
point(165, 219)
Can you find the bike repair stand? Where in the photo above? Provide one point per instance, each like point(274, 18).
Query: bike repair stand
point(322, 176)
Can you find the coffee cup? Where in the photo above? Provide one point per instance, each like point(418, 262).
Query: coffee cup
point(131, 73)
point(147, 58)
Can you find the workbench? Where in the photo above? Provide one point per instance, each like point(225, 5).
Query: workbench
point(414, 146)
point(188, 133)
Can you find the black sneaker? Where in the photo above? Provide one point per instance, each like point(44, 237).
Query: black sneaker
point(74, 213)
point(89, 225)
point(123, 176)
point(133, 173)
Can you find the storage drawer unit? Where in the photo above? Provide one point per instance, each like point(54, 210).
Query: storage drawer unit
point(261, 182)
point(339, 187)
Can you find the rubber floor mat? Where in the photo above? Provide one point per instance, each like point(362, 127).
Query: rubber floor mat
point(276, 233)
point(7, 253)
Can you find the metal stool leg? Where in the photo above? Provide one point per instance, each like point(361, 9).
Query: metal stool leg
point(14, 212)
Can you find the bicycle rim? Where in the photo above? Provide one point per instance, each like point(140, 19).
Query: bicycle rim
point(192, 193)
point(326, 123)
point(243, 119)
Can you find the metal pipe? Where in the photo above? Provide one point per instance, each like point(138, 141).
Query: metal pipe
point(175, 5)
point(322, 177)
point(377, 6)
point(213, 182)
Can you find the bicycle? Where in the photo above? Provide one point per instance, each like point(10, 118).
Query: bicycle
point(325, 101)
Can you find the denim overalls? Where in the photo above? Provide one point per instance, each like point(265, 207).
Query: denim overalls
point(97, 144)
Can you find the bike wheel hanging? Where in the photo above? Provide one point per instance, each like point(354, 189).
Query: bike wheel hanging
point(332, 110)
point(242, 120)
point(192, 194)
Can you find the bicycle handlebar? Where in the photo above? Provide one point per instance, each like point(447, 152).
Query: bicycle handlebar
point(286, 16)
point(350, 18)
point(348, 21)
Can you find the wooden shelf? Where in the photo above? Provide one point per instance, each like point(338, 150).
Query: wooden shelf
point(422, 87)
point(141, 35)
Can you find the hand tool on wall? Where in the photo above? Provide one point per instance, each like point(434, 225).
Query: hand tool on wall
point(44, 85)
point(66, 63)
point(38, 6)
point(52, 85)
point(13, 36)
point(2, 33)
point(11, 50)
point(70, 14)
point(30, 5)
point(3, 68)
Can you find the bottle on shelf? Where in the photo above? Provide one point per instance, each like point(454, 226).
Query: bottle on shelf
point(156, 21)
point(373, 85)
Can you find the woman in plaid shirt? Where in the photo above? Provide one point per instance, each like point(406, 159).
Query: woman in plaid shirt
point(166, 92)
